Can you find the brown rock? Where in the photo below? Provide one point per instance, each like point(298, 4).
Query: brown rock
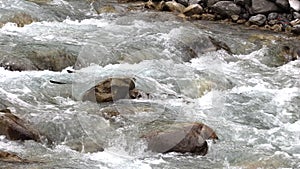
point(174, 6)
point(184, 138)
point(110, 90)
point(10, 157)
point(21, 19)
point(193, 10)
point(15, 128)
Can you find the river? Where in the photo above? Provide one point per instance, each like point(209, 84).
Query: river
point(251, 103)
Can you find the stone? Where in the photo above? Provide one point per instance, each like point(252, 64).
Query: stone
point(111, 89)
point(15, 128)
point(226, 8)
point(242, 2)
point(295, 5)
point(210, 3)
point(20, 19)
point(38, 57)
point(208, 17)
point(40, 2)
point(272, 16)
point(174, 6)
point(183, 2)
point(181, 138)
point(263, 7)
point(192, 10)
point(290, 53)
point(234, 17)
point(296, 29)
point(284, 4)
point(11, 157)
point(296, 15)
point(85, 145)
point(259, 19)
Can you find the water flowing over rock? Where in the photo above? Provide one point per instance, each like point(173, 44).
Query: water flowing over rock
point(111, 89)
point(183, 138)
point(10, 157)
point(15, 128)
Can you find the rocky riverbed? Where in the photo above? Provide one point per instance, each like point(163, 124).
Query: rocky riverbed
point(149, 84)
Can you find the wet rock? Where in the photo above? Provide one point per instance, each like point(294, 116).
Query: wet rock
point(193, 9)
point(38, 57)
point(105, 9)
point(210, 3)
point(284, 4)
point(173, 6)
point(296, 29)
point(40, 2)
point(259, 19)
point(111, 89)
point(21, 19)
point(226, 8)
point(263, 6)
point(296, 15)
point(181, 138)
point(85, 145)
point(15, 128)
point(183, 2)
point(11, 157)
point(220, 45)
point(290, 53)
point(272, 16)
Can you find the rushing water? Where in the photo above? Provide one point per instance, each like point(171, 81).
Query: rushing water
point(252, 105)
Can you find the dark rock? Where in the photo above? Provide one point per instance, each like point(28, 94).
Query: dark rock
point(259, 19)
point(191, 2)
point(296, 30)
point(181, 138)
point(193, 9)
point(210, 3)
point(272, 16)
point(242, 2)
point(183, 2)
point(263, 6)
point(226, 8)
point(284, 4)
point(290, 52)
point(111, 89)
point(220, 45)
point(15, 128)
point(296, 15)
point(10, 157)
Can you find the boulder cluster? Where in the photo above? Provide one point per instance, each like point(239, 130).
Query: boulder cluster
point(179, 137)
point(276, 15)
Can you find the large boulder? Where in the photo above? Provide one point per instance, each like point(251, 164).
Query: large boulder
point(263, 7)
point(15, 128)
point(111, 89)
point(181, 138)
point(226, 8)
point(33, 56)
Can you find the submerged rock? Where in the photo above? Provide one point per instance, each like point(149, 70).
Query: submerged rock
point(85, 145)
point(111, 89)
point(15, 128)
point(181, 138)
point(290, 53)
point(10, 157)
